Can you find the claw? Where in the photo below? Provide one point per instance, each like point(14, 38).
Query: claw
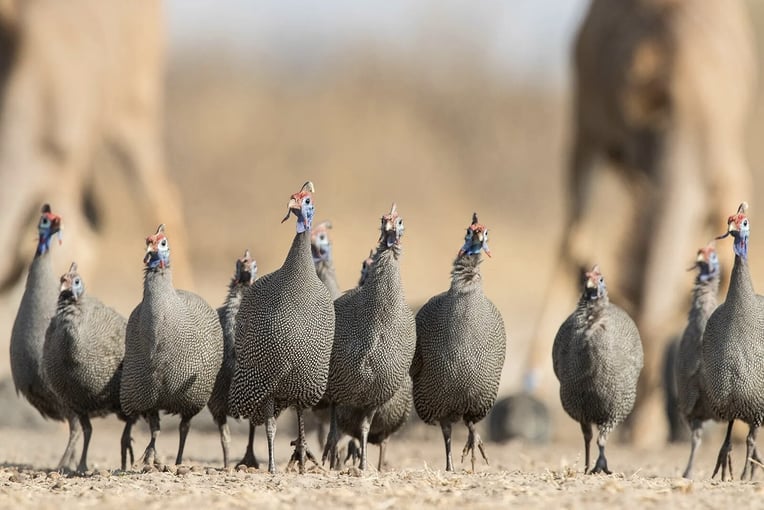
point(473, 440)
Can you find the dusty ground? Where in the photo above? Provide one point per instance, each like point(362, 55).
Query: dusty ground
point(519, 475)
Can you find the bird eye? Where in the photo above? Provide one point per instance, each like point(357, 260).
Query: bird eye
point(745, 223)
point(163, 243)
point(399, 222)
point(322, 237)
point(307, 201)
point(44, 222)
point(77, 281)
point(602, 280)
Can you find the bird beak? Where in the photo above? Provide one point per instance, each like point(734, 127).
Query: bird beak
point(590, 284)
point(147, 257)
point(291, 207)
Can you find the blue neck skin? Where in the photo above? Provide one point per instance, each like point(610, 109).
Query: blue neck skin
point(158, 260)
point(741, 246)
point(43, 242)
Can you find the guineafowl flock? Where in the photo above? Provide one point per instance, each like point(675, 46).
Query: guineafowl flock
point(360, 360)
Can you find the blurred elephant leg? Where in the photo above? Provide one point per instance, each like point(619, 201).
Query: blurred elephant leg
point(676, 226)
point(563, 285)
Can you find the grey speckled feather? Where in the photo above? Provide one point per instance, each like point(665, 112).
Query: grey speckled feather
point(597, 357)
point(692, 399)
point(284, 333)
point(374, 338)
point(460, 351)
point(173, 352)
point(37, 307)
point(733, 350)
point(82, 358)
point(244, 276)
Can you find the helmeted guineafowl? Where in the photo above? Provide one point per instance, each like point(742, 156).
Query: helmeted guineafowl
point(597, 357)
point(460, 349)
point(388, 419)
point(38, 306)
point(284, 333)
point(733, 349)
point(691, 394)
point(374, 339)
point(245, 275)
point(321, 249)
point(173, 349)
point(82, 358)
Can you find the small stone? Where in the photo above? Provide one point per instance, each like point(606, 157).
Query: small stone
point(197, 469)
point(104, 473)
point(183, 470)
point(58, 485)
point(148, 468)
point(54, 475)
point(241, 467)
point(251, 470)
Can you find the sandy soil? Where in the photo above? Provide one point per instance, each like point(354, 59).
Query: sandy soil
point(519, 475)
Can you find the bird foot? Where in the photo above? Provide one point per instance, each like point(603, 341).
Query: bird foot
point(473, 439)
point(331, 452)
point(249, 460)
point(600, 466)
point(300, 454)
point(724, 461)
point(149, 457)
point(354, 453)
point(752, 462)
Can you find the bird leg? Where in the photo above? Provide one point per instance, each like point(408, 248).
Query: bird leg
point(696, 426)
point(724, 460)
point(473, 440)
point(586, 428)
point(270, 432)
point(185, 425)
point(382, 450)
point(87, 432)
point(751, 455)
point(332, 440)
point(301, 450)
point(354, 451)
point(601, 465)
point(445, 427)
point(67, 459)
point(365, 426)
point(249, 459)
point(149, 456)
point(225, 439)
point(126, 444)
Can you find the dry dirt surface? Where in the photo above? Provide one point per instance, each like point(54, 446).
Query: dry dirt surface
point(519, 475)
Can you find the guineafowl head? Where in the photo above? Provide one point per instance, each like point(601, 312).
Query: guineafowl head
point(157, 250)
point(365, 265)
point(320, 244)
point(71, 284)
point(246, 270)
point(49, 225)
point(738, 226)
point(391, 229)
point(301, 204)
point(594, 284)
point(476, 239)
point(707, 263)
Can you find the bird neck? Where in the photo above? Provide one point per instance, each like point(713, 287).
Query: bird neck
point(384, 277)
point(465, 275)
point(300, 258)
point(704, 299)
point(157, 283)
point(326, 273)
point(741, 287)
point(592, 309)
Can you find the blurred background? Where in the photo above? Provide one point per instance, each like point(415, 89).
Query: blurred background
point(445, 107)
